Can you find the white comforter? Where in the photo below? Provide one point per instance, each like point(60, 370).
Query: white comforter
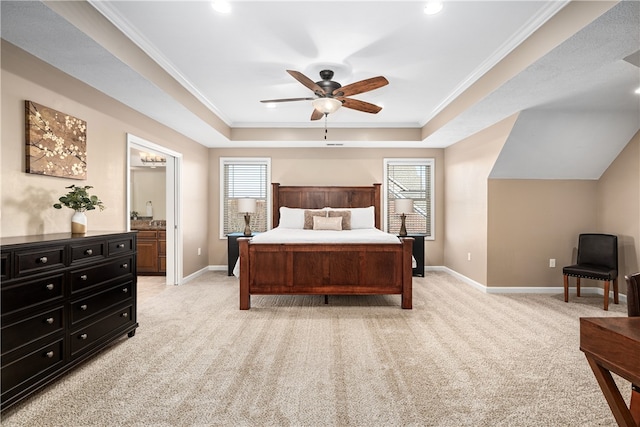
point(291, 235)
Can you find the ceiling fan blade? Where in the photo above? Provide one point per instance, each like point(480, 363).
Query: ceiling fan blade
point(361, 86)
point(307, 82)
point(356, 104)
point(316, 115)
point(287, 100)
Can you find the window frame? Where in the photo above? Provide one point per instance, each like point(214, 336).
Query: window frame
point(242, 160)
point(427, 161)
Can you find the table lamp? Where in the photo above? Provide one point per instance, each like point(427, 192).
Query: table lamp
point(247, 206)
point(403, 207)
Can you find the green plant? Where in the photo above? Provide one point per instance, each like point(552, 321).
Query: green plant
point(134, 214)
point(79, 200)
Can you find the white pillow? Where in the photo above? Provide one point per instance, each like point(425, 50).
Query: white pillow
point(291, 218)
point(363, 218)
point(327, 223)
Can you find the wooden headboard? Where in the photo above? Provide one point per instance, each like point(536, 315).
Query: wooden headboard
point(310, 197)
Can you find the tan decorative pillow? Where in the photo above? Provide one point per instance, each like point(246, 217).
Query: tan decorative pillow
point(308, 218)
point(346, 218)
point(325, 223)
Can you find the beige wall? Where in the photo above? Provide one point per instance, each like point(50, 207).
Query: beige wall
point(618, 196)
point(467, 167)
point(531, 221)
point(325, 166)
point(26, 199)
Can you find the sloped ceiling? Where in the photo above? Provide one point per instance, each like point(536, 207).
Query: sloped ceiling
point(204, 75)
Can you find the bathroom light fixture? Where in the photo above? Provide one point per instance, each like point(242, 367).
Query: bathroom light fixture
point(153, 160)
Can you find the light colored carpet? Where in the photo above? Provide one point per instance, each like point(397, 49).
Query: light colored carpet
point(459, 358)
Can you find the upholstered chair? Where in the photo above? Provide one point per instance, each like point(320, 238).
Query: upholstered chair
point(597, 260)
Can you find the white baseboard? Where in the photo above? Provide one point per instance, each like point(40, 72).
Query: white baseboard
point(470, 282)
point(523, 289)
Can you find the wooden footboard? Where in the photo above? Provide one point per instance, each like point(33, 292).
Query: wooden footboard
point(322, 269)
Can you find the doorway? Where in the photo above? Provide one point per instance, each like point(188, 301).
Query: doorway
point(147, 161)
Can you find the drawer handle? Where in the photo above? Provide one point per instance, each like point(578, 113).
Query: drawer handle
point(125, 290)
point(49, 320)
point(43, 260)
point(83, 336)
point(125, 314)
point(88, 252)
point(83, 277)
point(120, 246)
point(83, 307)
point(50, 286)
point(125, 265)
point(49, 354)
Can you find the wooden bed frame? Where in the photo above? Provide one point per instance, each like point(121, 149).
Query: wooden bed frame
point(325, 269)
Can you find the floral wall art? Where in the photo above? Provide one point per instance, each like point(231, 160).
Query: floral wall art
point(56, 143)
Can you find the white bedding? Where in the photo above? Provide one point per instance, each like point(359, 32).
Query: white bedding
point(290, 235)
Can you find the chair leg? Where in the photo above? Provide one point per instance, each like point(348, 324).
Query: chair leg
point(566, 288)
point(615, 290)
point(606, 295)
point(577, 286)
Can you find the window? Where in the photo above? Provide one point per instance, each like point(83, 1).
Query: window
point(244, 178)
point(409, 179)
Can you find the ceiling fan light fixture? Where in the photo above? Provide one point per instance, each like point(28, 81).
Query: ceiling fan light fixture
point(326, 105)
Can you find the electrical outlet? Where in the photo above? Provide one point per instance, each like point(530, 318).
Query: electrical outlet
point(199, 251)
point(468, 256)
point(552, 262)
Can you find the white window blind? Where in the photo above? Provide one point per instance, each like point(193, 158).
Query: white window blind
point(244, 178)
point(410, 179)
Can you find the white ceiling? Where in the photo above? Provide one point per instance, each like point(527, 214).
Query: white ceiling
point(231, 62)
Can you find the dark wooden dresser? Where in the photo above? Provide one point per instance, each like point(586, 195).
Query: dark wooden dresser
point(63, 298)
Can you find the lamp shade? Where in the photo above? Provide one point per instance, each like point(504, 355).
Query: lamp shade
point(326, 105)
point(404, 206)
point(246, 205)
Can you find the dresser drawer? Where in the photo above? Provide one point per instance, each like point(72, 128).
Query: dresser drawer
point(26, 294)
point(35, 327)
point(84, 337)
point(97, 303)
point(147, 234)
point(32, 366)
point(92, 276)
point(88, 252)
point(32, 262)
point(121, 246)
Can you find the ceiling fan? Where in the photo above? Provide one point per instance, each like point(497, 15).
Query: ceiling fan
point(332, 95)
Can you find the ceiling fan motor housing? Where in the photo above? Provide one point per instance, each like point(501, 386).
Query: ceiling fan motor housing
point(327, 84)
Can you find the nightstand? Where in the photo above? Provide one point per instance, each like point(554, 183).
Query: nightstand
point(418, 253)
point(232, 250)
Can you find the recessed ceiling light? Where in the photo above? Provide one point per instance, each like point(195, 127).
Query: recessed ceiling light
point(433, 7)
point(221, 6)
point(637, 91)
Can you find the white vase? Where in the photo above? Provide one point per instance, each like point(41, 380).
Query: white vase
point(79, 223)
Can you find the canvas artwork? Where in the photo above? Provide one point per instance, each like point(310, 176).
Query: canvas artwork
point(56, 143)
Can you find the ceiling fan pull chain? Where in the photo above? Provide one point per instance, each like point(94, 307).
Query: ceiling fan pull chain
point(325, 126)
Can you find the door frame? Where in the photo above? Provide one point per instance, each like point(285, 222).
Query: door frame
point(173, 200)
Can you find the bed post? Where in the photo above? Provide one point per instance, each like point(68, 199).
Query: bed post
point(407, 272)
point(377, 201)
point(275, 204)
point(245, 297)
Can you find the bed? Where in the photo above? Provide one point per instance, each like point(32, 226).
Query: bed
point(328, 267)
